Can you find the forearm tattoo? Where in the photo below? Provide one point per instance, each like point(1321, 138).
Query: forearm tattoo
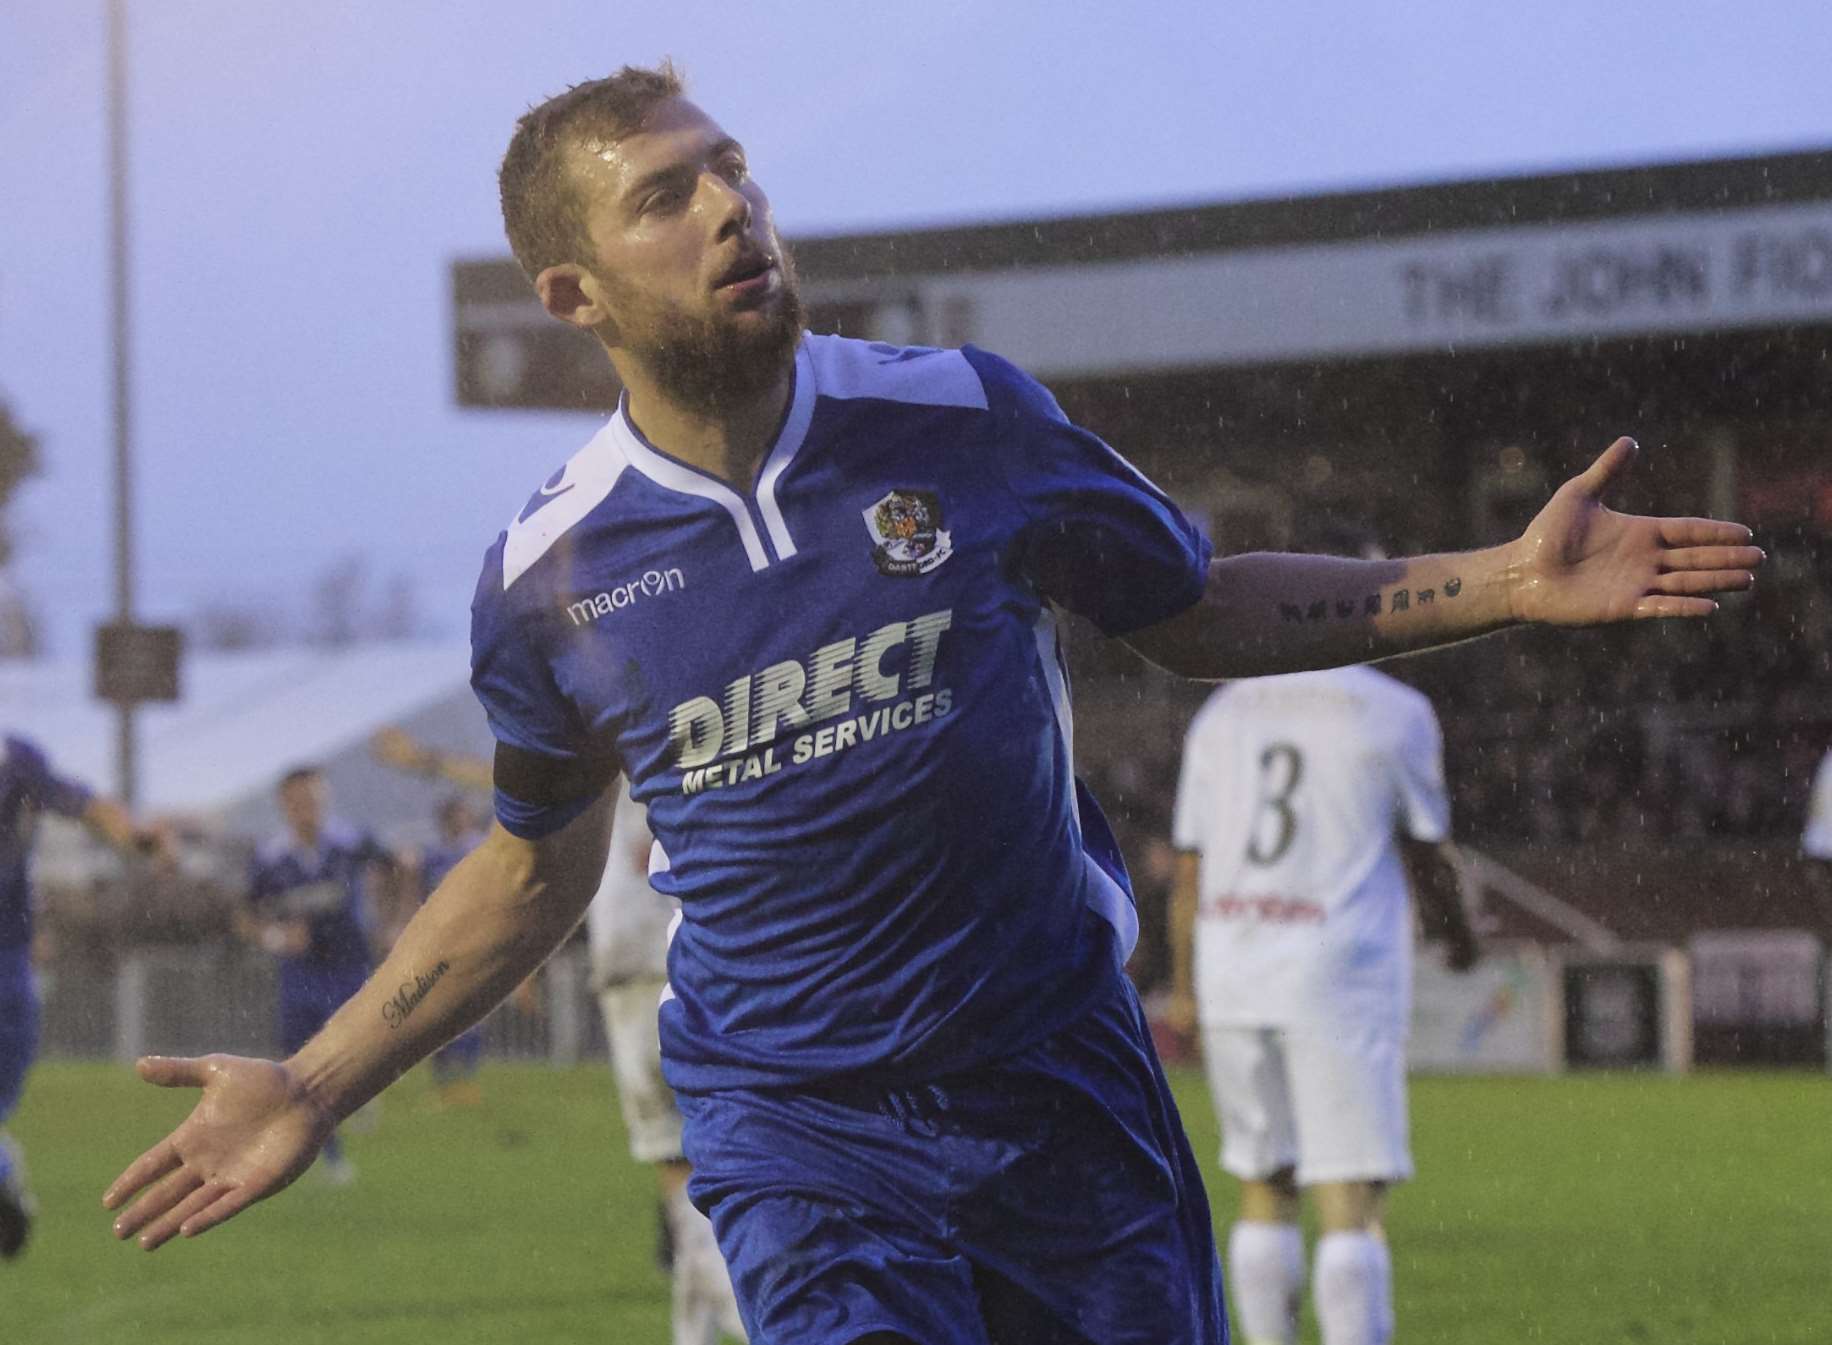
point(408, 997)
point(1371, 605)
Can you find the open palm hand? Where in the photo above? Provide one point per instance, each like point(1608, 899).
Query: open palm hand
point(250, 1135)
point(1581, 563)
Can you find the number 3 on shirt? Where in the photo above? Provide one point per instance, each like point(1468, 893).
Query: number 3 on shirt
point(1281, 771)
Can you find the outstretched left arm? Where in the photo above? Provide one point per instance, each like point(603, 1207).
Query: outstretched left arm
point(397, 748)
point(109, 822)
point(1579, 563)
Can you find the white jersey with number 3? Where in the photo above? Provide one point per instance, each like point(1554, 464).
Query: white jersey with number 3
point(1293, 790)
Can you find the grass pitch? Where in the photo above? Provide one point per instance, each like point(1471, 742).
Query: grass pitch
point(1579, 1211)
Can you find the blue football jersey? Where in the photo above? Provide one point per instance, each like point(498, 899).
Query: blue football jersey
point(324, 887)
point(28, 787)
point(843, 699)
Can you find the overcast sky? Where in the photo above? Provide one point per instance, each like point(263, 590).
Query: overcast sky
point(303, 173)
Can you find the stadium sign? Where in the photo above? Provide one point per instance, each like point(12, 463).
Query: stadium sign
point(1758, 997)
point(1537, 285)
point(1558, 260)
point(1627, 1009)
point(135, 663)
point(1495, 1018)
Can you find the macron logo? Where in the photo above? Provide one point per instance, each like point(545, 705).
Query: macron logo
point(653, 584)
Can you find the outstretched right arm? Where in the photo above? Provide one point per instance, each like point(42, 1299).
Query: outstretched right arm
point(498, 914)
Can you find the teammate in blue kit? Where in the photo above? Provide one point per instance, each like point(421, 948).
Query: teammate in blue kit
point(28, 789)
point(309, 905)
point(456, 1063)
point(803, 591)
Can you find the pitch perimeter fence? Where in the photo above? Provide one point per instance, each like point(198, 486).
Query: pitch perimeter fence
point(1758, 997)
point(192, 1001)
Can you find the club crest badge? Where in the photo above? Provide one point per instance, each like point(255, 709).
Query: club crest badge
point(906, 525)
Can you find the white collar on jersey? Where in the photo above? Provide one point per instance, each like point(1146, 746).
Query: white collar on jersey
point(675, 475)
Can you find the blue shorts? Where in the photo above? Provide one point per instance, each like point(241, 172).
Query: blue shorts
point(1049, 1199)
point(310, 994)
point(18, 1025)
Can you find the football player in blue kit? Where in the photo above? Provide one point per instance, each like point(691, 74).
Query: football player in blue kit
point(456, 1063)
point(309, 906)
point(803, 592)
point(29, 788)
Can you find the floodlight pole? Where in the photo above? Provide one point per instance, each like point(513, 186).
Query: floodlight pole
point(126, 744)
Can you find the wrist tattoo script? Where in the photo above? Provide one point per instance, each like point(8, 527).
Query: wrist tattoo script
point(408, 997)
point(1346, 609)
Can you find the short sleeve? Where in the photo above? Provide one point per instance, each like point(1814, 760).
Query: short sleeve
point(1424, 799)
point(1194, 788)
point(1817, 842)
point(48, 790)
point(1096, 536)
point(527, 712)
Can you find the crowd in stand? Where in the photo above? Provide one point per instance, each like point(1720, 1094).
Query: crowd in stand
point(1698, 733)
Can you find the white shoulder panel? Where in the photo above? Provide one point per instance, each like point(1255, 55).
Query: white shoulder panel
point(845, 368)
point(567, 497)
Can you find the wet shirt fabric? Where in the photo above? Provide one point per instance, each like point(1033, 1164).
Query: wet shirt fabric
point(28, 789)
point(842, 697)
point(324, 887)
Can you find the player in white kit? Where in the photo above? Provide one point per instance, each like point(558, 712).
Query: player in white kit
point(1302, 803)
point(628, 924)
point(1816, 842)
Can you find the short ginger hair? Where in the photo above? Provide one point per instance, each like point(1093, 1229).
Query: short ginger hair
point(542, 210)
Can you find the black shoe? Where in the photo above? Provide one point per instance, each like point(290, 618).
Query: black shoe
point(16, 1205)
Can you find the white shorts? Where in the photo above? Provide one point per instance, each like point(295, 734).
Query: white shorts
point(1330, 1103)
point(631, 1010)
